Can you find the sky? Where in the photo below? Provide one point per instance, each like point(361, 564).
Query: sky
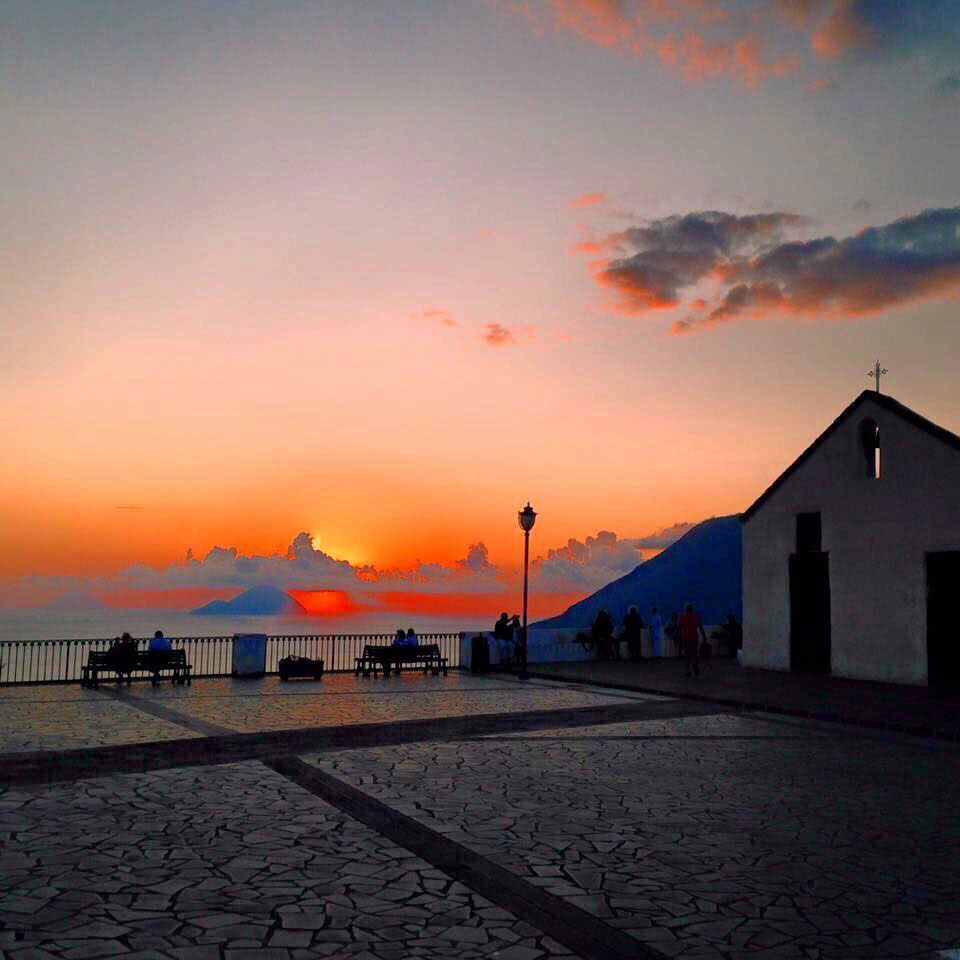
point(321, 293)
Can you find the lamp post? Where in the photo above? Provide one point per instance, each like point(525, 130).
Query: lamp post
point(527, 517)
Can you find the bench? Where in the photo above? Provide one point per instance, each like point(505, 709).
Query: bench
point(395, 656)
point(300, 667)
point(144, 662)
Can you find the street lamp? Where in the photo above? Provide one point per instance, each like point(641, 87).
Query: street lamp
point(527, 517)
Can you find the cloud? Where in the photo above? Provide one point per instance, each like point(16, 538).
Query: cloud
point(911, 259)
point(497, 336)
point(666, 256)
point(589, 199)
point(435, 315)
point(753, 271)
point(883, 28)
point(589, 564)
point(820, 85)
point(662, 539)
point(575, 568)
point(751, 42)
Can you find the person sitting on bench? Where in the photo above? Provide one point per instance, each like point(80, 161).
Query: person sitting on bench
point(158, 653)
point(412, 639)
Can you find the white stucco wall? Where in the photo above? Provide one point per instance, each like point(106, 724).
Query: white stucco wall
point(877, 533)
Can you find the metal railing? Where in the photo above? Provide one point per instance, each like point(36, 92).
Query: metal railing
point(60, 661)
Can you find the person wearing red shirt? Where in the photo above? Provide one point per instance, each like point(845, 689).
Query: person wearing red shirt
point(691, 630)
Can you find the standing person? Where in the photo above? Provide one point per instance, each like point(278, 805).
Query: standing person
point(633, 633)
point(734, 636)
point(602, 631)
point(691, 631)
point(673, 632)
point(656, 633)
point(517, 638)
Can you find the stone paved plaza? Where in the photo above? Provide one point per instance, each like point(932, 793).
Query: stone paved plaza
point(574, 821)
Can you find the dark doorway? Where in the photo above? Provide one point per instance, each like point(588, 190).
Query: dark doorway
point(943, 628)
point(810, 612)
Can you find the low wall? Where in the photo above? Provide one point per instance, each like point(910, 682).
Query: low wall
point(559, 645)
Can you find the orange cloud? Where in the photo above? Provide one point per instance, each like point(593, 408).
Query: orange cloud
point(819, 85)
point(183, 598)
point(477, 604)
point(589, 199)
point(843, 31)
point(435, 315)
point(497, 336)
point(705, 39)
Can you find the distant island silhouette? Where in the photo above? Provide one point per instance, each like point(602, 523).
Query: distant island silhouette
point(77, 601)
point(702, 568)
point(260, 601)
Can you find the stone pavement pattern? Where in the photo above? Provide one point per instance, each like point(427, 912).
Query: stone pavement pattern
point(69, 717)
point(705, 837)
point(190, 862)
point(702, 837)
point(341, 699)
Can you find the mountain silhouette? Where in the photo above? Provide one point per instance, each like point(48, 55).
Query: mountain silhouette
point(703, 567)
point(76, 600)
point(255, 602)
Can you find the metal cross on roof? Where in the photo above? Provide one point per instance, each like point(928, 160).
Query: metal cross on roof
point(877, 373)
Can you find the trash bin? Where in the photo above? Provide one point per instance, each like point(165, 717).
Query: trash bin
point(249, 655)
point(479, 654)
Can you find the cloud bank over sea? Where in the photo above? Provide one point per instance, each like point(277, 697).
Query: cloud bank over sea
point(576, 568)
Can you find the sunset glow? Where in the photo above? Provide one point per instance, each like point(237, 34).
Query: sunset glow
point(382, 273)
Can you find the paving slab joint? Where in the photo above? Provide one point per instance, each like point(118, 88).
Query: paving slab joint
point(579, 931)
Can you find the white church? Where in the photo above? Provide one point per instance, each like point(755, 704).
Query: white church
point(851, 558)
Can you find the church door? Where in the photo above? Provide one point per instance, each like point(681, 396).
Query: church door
point(810, 612)
point(943, 626)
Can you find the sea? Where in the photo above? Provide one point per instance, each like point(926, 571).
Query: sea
point(96, 624)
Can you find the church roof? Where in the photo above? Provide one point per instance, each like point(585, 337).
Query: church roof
point(889, 404)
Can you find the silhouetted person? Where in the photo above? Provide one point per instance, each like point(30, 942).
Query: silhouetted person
point(501, 629)
point(691, 631)
point(124, 656)
point(656, 633)
point(412, 639)
point(158, 654)
point(400, 638)
point(633, 633)
point(734, 634)
point(602, 631)
point(672, 631)
point(517, 638)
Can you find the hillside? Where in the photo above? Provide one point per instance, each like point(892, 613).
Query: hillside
point(703, 568)
point(255, 602)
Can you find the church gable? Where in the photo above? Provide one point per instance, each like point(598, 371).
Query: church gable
point(861, 425)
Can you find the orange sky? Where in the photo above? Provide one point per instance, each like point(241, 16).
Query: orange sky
point(316, 269)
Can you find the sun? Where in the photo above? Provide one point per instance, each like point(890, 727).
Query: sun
point(336, 550)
